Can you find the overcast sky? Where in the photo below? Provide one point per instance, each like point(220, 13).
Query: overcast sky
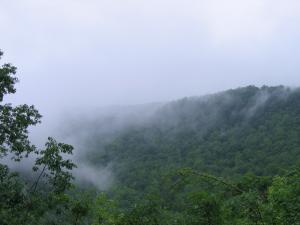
point(90, 53)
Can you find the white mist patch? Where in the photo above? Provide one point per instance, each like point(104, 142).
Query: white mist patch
point(86, 174)
point(263, 96)
point(260, 101)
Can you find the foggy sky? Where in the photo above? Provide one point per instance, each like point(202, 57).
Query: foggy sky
point(74, 56)
point(81, 54)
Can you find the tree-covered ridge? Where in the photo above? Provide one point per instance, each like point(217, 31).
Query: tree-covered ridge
point(246, 130)
point(161, 165)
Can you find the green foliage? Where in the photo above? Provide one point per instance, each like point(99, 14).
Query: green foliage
point(257, 201)
point(14, 120)
point(20, 204)
point(7, 80)
point(54, 167)
point(234, 142)
point(203, 208)
point(106, 211)
point(12, 197)
point(284, 198)
point(217, 160)
point(246, 130)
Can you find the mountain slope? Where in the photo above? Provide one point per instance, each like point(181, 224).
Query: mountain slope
point(238, 131)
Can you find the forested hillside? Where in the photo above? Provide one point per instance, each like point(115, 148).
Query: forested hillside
point(245, 130)
point(226, 159)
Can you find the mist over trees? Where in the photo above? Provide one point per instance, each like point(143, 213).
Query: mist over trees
point(223, 159)
point(41, 199)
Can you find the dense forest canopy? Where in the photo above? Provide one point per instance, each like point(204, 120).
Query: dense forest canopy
point(230, 158)
point(246, 130)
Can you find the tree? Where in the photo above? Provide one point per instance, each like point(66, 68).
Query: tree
point(14, 121)
point(54, 167)
point(21, 204)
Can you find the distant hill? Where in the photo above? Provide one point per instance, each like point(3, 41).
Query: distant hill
point(244, 130)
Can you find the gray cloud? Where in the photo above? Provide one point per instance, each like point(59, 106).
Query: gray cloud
point(79, 53)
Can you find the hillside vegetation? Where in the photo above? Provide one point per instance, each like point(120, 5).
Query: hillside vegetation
point(245, 130)
point(226, 159)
